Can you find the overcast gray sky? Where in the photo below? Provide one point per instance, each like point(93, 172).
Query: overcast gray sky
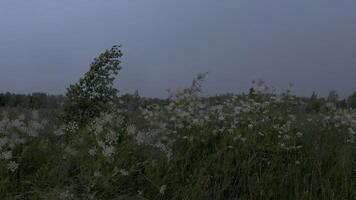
point(47, 44)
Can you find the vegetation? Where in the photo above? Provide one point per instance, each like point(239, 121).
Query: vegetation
point(261, 145)
point(94, 92)
point(31, 101)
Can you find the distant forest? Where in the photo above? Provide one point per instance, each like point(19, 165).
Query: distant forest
point(46, 101)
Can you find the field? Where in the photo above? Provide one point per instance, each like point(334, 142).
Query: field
point(261, 145)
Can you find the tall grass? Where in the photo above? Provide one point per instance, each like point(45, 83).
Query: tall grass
point(258, 146)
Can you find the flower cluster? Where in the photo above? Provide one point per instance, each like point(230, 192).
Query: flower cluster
point(15, 132)
point(105, 130)
point(266, 113)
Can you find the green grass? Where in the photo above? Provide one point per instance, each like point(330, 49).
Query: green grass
point(255, 147)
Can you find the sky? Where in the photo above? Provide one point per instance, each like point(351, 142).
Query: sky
point(46, 45)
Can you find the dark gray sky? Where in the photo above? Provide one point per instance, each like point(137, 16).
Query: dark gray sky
point(47, 44)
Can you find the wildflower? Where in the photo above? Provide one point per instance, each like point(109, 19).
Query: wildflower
point(299, 134)
point(35, 125)
point(92, 151)
point(111, 137)
point(173, 118)
point(3, 141)
point(237, 137)
point(12, 166)
point(287, 137)
point(161, 146)
point(65, 195)
point(350, 140)
point(131, 129)
point(35, 115)
point(18, 124)
point(7, 155)
point(21, 117)
point(59, 131)
point(70, 151)
point(162, 189)
point(124, 172)
point(72, 127)
point(292, 117)
point(108, 151)
point(141, 137)
point(221, 130)
point(169, 155)
point(97, 174)
point(180, 126)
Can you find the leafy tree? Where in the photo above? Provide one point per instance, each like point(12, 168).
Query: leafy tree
point(314, 104)
point(351, 100)
point(94, 93)
point(333, 96)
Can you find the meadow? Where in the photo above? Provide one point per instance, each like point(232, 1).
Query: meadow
point(260, 145)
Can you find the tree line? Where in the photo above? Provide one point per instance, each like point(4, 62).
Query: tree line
point(31, 101)
point(132, 101)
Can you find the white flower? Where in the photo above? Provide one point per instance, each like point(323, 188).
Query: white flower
point(32, 133)
point(12, 166)
point(70, 151)
point(108, 151)
point(221, 118)
point(299, 134)
point(59, 132)
point(35, 125)
point(261, 134)
point(97, 174)
point(7, 155)
point(18, 124)
point(35, 114)
point(162, 189)
point(71, 127)
point(3, 141)
point(169, 155)
point(124, 172)
point(173, 118)
point(131, 129)
point(22, 117)
point(65, 195)
point(92, 151)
